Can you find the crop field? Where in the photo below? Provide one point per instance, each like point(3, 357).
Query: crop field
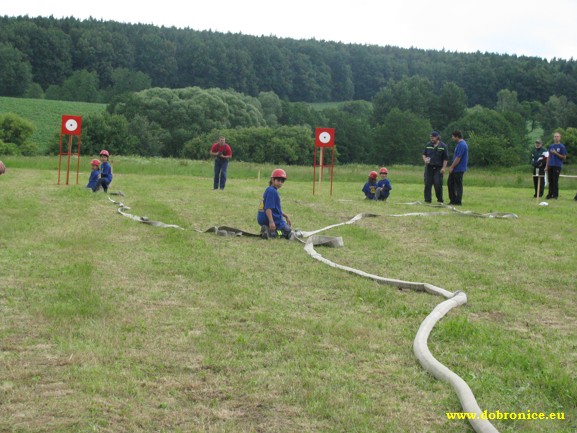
point(109, 325)
point(45, 115)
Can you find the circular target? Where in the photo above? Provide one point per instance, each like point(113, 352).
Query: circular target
point(71, 125)
point(324, 137)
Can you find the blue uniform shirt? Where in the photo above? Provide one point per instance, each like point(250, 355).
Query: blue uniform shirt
point(93, 179)
point(462, 151)
point(370, 189)
point(106, 172)
point(270, 200)
point(554, 160)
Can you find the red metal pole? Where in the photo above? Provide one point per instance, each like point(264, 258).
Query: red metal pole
point(332, 169)
point(59, 159)
point(78, 163)
point(69, 156)
point(314, 169)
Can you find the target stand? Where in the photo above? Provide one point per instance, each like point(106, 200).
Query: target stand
point(324, 139)
point(71, 127)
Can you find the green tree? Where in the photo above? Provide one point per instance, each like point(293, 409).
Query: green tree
point(34, 91)
point(271, 107)
point(353, 132)
point(126, 81)
point(450, 105)
point(413, 94)
point(488, 128)
point(558, 112)
point(15, 71)
point(507, 101)
point(80, 86)
point(400, 138)
point(107, 131)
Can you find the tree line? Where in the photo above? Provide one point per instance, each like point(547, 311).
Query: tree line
point(94, 60)
point(392, 129)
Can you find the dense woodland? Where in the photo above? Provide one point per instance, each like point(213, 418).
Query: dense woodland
point(164, 87)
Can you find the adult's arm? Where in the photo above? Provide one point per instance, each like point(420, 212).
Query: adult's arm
point(454, 164)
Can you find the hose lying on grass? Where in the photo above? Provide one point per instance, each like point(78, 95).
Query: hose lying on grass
point(420, 344)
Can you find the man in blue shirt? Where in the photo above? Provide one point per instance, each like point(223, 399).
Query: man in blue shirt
point(557, 154)
point(458, 168)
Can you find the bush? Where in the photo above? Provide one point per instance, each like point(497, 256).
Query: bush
point(9, 149)
point(281, 145)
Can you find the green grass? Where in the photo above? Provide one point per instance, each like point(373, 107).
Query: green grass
point(108, 325)
point(46, 115)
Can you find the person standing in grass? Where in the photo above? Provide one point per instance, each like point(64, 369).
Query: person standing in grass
point(557, 154)
point(538, 161)
point(458, 168)
point(383, 186)
point(93, 180)
point(222, 154)
point(272, 220)
point(370, 187)
point(435, 157)
point(105, 171)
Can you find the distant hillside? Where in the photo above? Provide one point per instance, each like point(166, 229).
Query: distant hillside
point(76, 59)
point(46, 115)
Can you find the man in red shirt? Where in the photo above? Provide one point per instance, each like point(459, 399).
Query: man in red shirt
point(222, 154)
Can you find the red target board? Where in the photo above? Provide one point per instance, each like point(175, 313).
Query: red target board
point(325, 137)
point(71, 125)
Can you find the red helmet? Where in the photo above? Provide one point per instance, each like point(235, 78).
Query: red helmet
point(373, 175)
point(384, 170)
point(104, 152)
point(278, 172)
point(95, 162)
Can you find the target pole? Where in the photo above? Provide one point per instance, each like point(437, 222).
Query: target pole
point(69, 157)
point(78, 162)
point(60, 159)
point(321, 170)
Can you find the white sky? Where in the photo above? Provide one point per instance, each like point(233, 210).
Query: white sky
point(543, 28)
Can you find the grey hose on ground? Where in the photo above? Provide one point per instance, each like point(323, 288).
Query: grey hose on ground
point(420, 345)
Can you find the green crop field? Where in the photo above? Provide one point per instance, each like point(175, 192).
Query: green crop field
point(109, 325)
point(46, 114)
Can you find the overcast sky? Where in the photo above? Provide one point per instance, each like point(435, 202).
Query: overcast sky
point(542, 28)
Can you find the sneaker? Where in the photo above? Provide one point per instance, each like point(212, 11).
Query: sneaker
point(264, 232)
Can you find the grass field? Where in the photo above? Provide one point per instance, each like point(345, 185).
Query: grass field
point(46, 115)
point(107, 325)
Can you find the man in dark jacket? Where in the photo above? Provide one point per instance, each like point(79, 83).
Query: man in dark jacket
point(538, 161)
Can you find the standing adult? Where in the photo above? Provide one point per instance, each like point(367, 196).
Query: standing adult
point(222, 154)
point(538, 161)
point(458, 168)
point(435, 157)
point(557, 154)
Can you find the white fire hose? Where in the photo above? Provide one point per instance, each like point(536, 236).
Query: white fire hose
point(420, 345)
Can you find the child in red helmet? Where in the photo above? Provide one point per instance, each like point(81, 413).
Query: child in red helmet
point(270, 216)
point(370, 187)
point(105, 171)
point(93, 181)
point(383, 186)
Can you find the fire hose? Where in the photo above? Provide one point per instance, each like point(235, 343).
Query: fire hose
point(420, 344)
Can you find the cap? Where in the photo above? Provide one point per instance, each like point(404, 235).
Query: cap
point(538, 141)
point(435, 134)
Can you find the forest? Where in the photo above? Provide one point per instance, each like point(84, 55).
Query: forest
point(169, 89)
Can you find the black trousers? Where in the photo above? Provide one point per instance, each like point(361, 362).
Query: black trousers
point(433, 177)
point(455, 186)
point(539, 171)
point(553, 176)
